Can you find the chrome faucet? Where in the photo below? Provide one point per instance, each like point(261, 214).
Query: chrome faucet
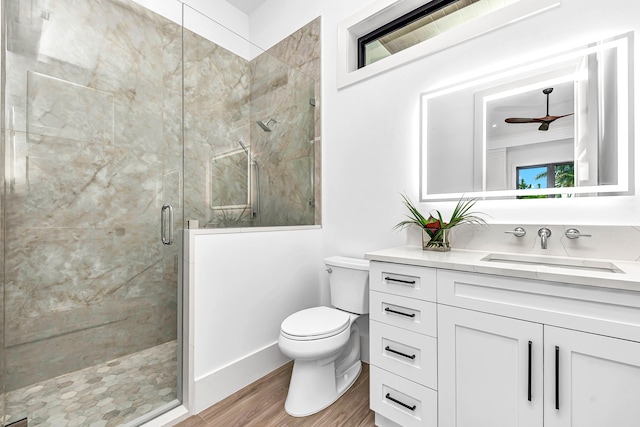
point(518, 232)
point(544, 233)
point(573, 234)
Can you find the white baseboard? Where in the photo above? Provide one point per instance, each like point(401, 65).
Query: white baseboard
point(225, 381)
point(222, 383)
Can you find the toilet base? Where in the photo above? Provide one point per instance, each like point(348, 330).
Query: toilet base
point(313, 387)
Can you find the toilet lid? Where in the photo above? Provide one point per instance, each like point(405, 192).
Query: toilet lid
point(315, 323)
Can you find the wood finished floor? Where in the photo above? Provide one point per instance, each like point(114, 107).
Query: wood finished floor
point(261, 404)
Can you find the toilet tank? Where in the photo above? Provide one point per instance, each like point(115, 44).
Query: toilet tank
point(349, 283)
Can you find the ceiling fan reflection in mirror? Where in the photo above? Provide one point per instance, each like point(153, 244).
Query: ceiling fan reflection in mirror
point(544, 121)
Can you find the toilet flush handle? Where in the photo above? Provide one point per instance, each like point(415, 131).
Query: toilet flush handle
point(329, 270)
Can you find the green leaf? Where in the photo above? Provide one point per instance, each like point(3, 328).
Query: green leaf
point(462, 214)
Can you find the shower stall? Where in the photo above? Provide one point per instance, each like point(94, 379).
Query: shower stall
point(118, 125)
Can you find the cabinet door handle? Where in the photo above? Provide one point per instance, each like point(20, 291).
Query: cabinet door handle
point(388, 396)
point(390, 350)
point(408, 282)
point(529, 374)
point(557, 378)
point(387, 309)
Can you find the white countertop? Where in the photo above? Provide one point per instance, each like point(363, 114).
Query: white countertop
point(471, 261)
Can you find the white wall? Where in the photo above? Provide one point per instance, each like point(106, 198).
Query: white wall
point(244, 285)
point(371, 129)
point(249, 292)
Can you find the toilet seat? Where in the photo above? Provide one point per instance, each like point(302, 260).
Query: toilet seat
point(315, 323)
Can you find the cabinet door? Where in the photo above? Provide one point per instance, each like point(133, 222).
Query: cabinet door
point(590, 380)
point(488, 370)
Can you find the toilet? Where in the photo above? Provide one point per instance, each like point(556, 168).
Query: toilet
point(324, 342)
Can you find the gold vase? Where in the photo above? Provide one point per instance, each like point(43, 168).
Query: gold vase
point(440, 241)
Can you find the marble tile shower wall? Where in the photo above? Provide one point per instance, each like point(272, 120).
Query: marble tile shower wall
point(89, 168)
point(302, 50)
point(224, 98)
point(216, 117)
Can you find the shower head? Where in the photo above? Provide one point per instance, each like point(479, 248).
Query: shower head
point(265, 125)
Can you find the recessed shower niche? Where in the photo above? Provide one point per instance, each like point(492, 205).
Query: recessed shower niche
point(230, 184)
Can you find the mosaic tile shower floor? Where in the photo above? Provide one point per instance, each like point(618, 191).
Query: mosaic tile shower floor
point(105, 395)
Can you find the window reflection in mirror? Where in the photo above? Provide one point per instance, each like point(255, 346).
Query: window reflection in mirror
point(568, 109)
point(553, 175)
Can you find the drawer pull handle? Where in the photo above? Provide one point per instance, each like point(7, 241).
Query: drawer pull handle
point(392, 279)
point(390, 350)
point(388, 396)
point(557, 378)
point(529, 373)
point(399, 312)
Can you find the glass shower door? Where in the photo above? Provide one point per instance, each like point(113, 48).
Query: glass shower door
point(92, 152)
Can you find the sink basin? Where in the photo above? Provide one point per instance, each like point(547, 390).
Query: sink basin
point(573, 264)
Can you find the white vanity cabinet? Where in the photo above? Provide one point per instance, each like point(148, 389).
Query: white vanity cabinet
point(490, 370)
point(598, 380)
point(511, 351)
point(403, 345)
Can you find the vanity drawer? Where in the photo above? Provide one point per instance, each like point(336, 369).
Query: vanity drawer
point(412, 314)
point(405, 280)
point(402, 401)
point(411, 355)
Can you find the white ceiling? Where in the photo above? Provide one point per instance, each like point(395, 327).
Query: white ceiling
point(247, 6)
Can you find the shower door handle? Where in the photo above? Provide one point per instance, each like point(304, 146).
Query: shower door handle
point(166, 216)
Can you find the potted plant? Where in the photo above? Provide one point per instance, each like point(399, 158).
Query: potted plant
point(435, 231)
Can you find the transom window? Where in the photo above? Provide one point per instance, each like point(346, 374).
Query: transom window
point(427, 21)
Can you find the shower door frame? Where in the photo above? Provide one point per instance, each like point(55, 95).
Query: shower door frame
point(171, 412)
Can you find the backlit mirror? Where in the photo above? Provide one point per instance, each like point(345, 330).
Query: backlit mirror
point(559, 127)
